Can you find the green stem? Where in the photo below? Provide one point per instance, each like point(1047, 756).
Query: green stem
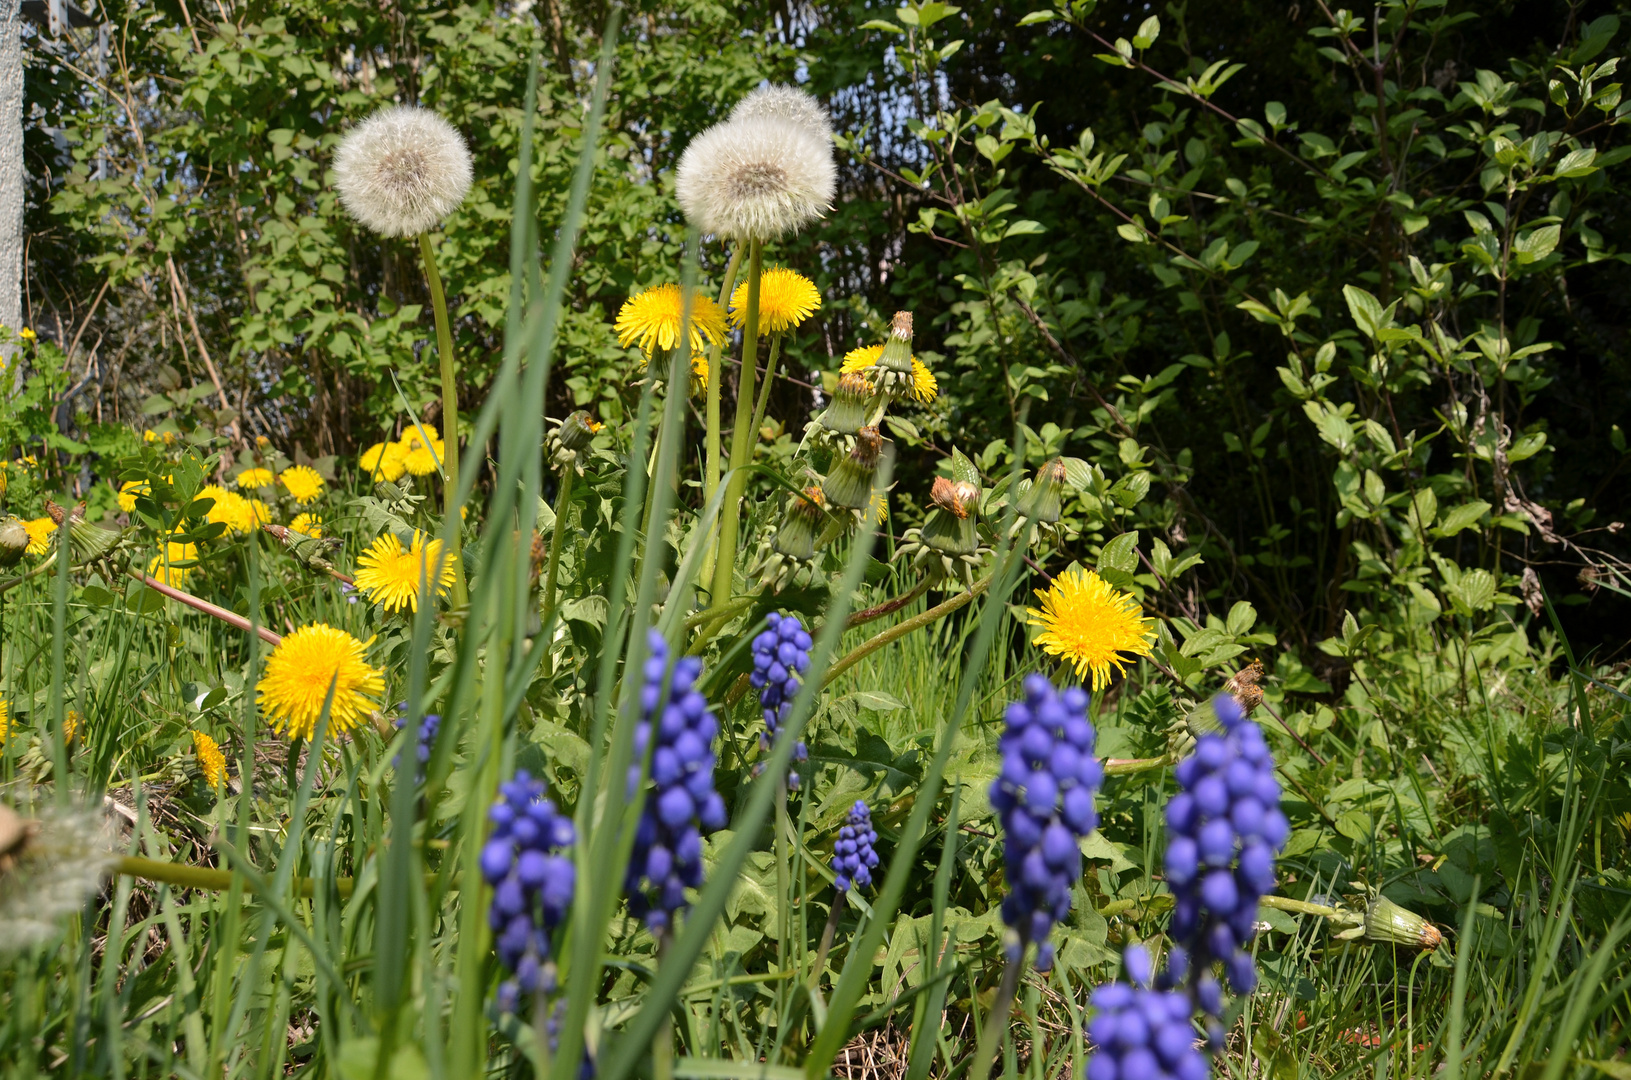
point(828, 932)
point(563, 504)
point(996, 1021)
point(715, 377)
point(450, 416)
point(901, 629)
point(764, 391)
point(889, 607)
point(741, 441)
point(784, 930)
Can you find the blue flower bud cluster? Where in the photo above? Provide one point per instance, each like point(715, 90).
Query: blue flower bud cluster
point(1044, 798)
point(780, 655)
point(854, 857)
point(678, 731)
point(525, 862)
point(1141, 1034)
point(1224, 830)
point(429, 725)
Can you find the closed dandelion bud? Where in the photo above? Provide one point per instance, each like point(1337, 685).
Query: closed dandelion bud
point(848, 412)
point(569, 442)
point(1386, 923)
point(796, 538)
point(1045, 501)
point(14, 540)
point(850, 483)
point(949, 527)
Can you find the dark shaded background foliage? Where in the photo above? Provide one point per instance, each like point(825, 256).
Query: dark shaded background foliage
point(306, 317)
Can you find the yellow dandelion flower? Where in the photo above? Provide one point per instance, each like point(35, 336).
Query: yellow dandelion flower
point(5, 720)
point(254, 478)
point(211, 762)
point(390, 574)
point(256, 513)
point(385, 461)
point(652, 320)
point(27, 334)
point(164, 566)
point(786, 299)
point(299, 673)
point(128, 492)
point(71, 722)
point(262, 441)
point(1090, 624)
point(305, 483)
point(925, 387)
point(307, 525)
point(879, 506)
point(39, 534)
point(230, 509)
point(423, 459)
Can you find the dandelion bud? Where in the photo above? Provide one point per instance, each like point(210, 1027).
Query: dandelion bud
point(1387, 923)
point(402, 171)
point(850, 483)
point(567, 443)
point(949, 527)
point(848, 412)
point(893, 373)
point(756, 176)
point(14, 540)
point(1045, 501)
point(796, 538)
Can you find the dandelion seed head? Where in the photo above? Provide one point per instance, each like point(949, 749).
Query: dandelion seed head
point(759, 176)
point(402, 171)
point(49, 867)
point(788, 104)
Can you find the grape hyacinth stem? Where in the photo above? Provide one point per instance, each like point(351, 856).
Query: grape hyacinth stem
point(996, 1021)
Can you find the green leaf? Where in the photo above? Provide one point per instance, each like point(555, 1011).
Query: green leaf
point(882, 24)
point(1148, 31)
point(1462, 517)
point(1242, 617)
point(1535, 245)
point(1024, 228)
point(1120, 555)
point(1038, 17)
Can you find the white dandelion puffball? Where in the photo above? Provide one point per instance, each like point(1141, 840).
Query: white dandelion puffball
point(402, 171)
point(787, 103)
point(49, 868)
point(758, 176)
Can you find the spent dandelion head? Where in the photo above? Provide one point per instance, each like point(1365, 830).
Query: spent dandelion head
point(299, 673)
point(250, 479)
point(786, 299)
point(402, 171)
point(653, 319)
point(786, 104)
point(391, 575)
point(1089, 624)
point(304, 483)
point(756, 177)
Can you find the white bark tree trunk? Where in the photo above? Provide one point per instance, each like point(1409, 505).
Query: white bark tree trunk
point(11, 165)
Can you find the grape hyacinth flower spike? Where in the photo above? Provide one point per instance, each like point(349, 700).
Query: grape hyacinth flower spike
point(429, 725)
point(1137, 1033)
point(678, 731)
point(854, 854)
point(780, 655)
point(1044, 798)
point(526, 862)
point(1224, 829)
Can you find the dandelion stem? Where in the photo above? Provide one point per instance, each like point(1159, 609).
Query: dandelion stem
point(996, 1021)
point(889, 607)
point(450, 417)
point(901, 629)
point(716, 373)
point(764, 390)
point(741, 436)
point(228, 617)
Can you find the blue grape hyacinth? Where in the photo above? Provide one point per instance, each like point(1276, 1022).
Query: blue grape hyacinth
point(1044, 798)
point(678, 731)
point(780, 655)
point(429, 725)
point(526, 862)
point(854, 857)
point(1137, 1033)
point(1224, 829)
